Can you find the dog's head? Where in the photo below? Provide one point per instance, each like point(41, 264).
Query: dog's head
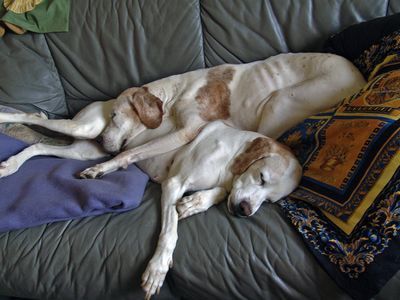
point(135, 110)
point(265, 171)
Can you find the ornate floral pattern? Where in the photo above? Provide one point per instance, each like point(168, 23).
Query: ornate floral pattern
point(351, 254)
point(374, 55)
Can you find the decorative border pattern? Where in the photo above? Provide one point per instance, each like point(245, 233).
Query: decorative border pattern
point(351, 254)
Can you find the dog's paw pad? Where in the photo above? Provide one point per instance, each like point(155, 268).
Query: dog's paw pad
point(91, 173)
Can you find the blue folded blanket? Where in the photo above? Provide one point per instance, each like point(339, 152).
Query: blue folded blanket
point(46, 189)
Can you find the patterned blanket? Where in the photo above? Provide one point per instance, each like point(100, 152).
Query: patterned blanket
point(347, 207)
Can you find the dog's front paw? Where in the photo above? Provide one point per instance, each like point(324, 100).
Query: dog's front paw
point(92, 172)
point(190, 205)
point(8, 167)
point(154, 276)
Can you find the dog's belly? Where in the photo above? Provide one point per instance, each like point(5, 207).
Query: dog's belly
point(157, 167)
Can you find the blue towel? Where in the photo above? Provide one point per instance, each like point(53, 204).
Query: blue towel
point(46, 189)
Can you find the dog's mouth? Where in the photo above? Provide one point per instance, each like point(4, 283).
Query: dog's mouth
point(124, 144)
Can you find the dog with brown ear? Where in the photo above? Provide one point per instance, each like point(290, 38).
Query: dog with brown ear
point(221, 160)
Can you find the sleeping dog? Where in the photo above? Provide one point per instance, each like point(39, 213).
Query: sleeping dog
point(221, 160)
point(267, 96)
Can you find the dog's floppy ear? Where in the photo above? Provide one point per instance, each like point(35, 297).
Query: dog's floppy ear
point(258, 148)
point(147, 106)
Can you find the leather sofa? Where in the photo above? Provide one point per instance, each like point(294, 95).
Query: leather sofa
point(113, 45)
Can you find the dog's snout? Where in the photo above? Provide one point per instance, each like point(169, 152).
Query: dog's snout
point(243, 209)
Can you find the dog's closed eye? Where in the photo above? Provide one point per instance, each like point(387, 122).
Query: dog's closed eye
point(262, 181)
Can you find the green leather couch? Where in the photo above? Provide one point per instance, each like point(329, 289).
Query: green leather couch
point(116, 44)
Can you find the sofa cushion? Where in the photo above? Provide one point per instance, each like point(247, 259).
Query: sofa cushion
point(236, 32)
point(113, 45)
point(91, 258)
point(29, 79)
point(219, 256)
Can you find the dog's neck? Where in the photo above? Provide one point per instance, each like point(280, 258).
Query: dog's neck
point(166, 89)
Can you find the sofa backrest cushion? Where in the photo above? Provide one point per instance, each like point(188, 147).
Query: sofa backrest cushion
point(113, 45)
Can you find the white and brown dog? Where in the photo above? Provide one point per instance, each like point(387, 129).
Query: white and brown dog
point(248, 166)
point(143, 123)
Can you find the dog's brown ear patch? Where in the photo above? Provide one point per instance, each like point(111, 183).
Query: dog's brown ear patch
point(148, 107)
point(258, 148)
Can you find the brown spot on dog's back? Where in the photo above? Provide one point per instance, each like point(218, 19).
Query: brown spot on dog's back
point(214, 97)
point(221, 73)
point(258, 148)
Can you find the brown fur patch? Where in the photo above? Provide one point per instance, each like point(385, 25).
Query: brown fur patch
point(258, 148)
point(221, 73)
point(214, 98)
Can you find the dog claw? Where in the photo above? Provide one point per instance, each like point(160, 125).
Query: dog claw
point(99, 175)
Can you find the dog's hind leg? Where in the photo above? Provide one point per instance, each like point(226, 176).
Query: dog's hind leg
point(79, 149)
point(291, 105)
point(87, 124)
point(200, 201)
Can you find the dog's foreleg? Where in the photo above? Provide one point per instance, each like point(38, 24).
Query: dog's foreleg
point(150, 149)
point(199, 202)
point(79, 149)
point(157, 268)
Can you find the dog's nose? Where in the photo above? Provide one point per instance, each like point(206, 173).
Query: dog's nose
point(99, 139)
point(243, 209)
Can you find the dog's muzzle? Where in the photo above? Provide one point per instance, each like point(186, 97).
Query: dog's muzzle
point(106, 146)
